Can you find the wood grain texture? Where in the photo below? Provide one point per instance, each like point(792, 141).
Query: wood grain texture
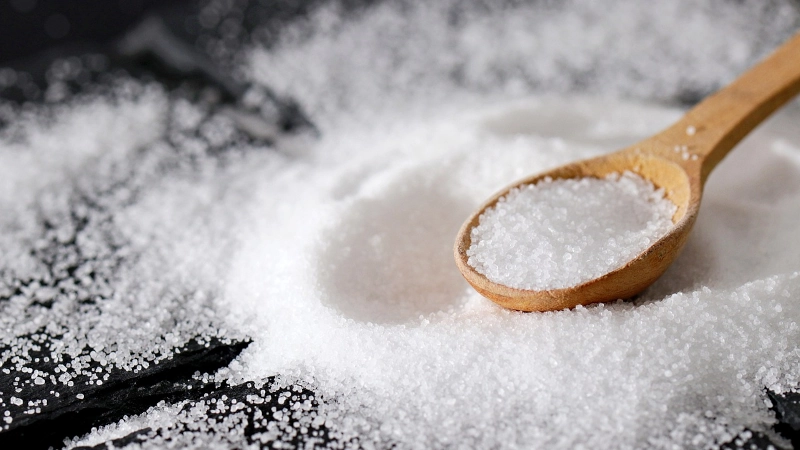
point(702, 137)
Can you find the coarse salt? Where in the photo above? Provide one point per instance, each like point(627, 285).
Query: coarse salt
point(334, 256)
point(560, 233)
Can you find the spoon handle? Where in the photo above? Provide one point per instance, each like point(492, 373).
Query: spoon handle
point(713, 127)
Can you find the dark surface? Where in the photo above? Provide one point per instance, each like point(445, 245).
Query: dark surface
point(254, 410)
point(32, 26)
point(787, 411)
point(149, 40)
point(124, 393)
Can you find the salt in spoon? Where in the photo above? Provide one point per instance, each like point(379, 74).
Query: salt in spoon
point(702, 138)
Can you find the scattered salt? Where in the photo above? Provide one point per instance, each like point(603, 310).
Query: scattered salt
point(335, 256)
point(561, 233)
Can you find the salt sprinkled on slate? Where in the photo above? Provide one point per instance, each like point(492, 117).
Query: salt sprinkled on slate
point(560, 233)
point(89, 192)
point(335, 257)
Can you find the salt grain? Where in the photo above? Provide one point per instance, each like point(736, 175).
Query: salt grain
point(334, 256)
point(561, 233)
point(402, 351)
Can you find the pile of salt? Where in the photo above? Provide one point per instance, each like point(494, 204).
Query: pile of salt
point(561, 233)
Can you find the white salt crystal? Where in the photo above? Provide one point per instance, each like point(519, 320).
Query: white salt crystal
point(337, 260)
point(691, 130)
point(402, 347)
point(561, 233)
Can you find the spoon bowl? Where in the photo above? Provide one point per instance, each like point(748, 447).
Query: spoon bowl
point(679, 186)
point(677, 160)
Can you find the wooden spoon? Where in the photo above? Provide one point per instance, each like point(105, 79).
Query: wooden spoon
point(679, 160)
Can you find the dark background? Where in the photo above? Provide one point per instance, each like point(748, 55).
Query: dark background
point(31, 26)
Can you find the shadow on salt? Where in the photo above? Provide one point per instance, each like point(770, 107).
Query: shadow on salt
point(389, 260)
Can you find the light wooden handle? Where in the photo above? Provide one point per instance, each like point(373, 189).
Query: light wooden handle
point(719, 122)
